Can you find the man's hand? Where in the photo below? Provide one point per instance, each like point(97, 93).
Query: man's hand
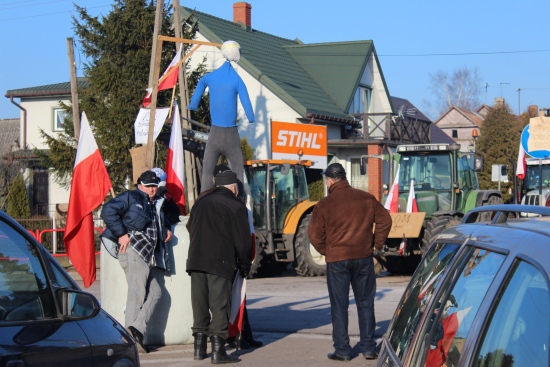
point(168, 235)
point(123, 241)
point(244, 271)
point(376, 252)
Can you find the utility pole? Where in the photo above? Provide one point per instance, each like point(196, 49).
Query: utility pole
point(486, 86)
point(74, 89)
point(519, 105)
point(153, 81)
point(190, 184)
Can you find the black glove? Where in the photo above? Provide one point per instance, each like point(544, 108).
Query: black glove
point(244, 271)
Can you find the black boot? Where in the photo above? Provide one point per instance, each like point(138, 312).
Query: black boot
point(219, 355)
point(200, 346)
point(247, 337)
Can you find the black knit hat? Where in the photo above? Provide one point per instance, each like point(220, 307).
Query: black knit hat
point(225, 178)
point(335, 170)
point(149, 178)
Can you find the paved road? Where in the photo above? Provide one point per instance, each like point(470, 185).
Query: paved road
point(291, 315)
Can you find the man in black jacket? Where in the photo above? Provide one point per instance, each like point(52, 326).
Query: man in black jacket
point(220, 245)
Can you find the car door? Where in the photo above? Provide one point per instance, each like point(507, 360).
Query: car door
point(32, 332)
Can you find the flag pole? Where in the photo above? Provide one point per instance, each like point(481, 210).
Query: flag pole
point(172, 101)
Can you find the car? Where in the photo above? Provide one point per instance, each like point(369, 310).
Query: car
point(45, 319)
point(479, 296)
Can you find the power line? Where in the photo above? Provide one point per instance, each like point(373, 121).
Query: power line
point(59, 12)
point(467, 53)
point(24, 6)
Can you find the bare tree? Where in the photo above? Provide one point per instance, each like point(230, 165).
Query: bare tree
point(461, 88)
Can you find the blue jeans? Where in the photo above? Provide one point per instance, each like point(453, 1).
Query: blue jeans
point(360, 274)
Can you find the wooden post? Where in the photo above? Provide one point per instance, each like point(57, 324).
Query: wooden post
point(156, 31)
point(150, 155)
point(190, 185)
point(74, 89)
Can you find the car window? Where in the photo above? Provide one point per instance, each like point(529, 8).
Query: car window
point(455, 311)
point(24, 289)
point(418, 295)
point(518, 333)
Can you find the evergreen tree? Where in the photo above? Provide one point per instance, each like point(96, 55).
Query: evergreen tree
point(118, 51)
point(18, 201)
point(498, 143)
point(248, 152)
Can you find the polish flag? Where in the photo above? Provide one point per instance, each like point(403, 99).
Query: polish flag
point(175, 166)
point(392, 201)
point(168, 80)
point(437, 355)
point(238, 293)
point(89, 187)
point(411, 201)
point(521, 166)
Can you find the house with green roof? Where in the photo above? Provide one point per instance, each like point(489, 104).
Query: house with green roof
point(339, 84)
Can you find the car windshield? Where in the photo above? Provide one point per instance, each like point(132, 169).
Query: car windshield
point(428, 171)
point(24, 293)
point(537, 175)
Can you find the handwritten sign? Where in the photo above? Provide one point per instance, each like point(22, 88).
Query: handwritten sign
point(407, 224)
point(138, 161)
point(539, 133)
point(141, 126)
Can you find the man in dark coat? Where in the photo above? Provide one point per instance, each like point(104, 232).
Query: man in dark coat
point(346, 227)
point(220, 245)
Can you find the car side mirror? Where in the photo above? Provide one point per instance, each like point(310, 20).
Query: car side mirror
point(77, 304)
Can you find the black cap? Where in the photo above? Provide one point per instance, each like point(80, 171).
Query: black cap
point(225, 178)
point(335, 170)
point(149, 178)
point(221, 168)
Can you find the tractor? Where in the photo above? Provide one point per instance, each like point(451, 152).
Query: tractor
point(445, 186)
point(282, 210)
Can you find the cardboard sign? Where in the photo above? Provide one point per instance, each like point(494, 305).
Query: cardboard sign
point(287, 139)
point(141, 126)
point(138, 161)
point(539, 130)
point(407, 224)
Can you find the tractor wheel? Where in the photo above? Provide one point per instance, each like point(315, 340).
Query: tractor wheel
point(434, 227)
point(309, 262)
point(264, 265)
point(402, 265)
point(493, 200)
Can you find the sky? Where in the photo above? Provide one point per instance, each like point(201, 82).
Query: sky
point(507, 41)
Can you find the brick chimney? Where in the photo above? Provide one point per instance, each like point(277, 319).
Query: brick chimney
point(242, 13)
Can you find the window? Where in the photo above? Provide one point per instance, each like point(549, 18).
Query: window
point(417, 297)
point(455, 134)
point(24, 292)
point(361, 101)
point(58, 119)
point(455, 311)
point(518, 331)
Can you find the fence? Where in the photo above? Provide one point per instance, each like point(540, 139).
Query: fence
point(48, 228)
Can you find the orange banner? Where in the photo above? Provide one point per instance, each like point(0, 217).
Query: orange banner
point(288, 138)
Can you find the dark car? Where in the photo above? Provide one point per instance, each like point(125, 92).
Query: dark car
point(479, 296)
point(45, 319)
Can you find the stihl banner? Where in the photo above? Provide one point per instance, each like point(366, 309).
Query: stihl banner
point(288, 139)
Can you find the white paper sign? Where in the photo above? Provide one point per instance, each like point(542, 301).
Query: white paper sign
point(141, 126)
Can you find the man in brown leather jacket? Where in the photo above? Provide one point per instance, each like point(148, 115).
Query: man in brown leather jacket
point(346, 227)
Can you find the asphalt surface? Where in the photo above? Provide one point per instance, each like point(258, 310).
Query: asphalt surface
point(290, 314)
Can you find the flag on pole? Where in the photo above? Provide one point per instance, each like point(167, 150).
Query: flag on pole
point(412, 207)
point(89, 187)
point(521, 166)
point(238, 294)
point(392, 201)
point(175, 166)
point(168, 79)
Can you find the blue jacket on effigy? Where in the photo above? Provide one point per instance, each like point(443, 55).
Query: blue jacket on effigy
point(224, 85)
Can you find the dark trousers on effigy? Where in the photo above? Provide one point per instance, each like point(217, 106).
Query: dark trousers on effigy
point(211, 303)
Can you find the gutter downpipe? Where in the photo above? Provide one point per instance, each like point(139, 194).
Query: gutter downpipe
point(24, 146)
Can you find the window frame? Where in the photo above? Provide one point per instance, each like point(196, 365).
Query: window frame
point(57, 113)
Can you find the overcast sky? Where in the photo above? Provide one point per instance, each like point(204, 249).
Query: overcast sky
point(506, 40)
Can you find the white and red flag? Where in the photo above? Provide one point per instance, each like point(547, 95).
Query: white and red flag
point(412, 207)
point(437, 355)
point(521, 166)
point(89, 187)
point(175, 166)
point(238, 294)
point(392, 201)
point(168, 80)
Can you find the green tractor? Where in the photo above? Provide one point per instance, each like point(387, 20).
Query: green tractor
point(445, 186)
